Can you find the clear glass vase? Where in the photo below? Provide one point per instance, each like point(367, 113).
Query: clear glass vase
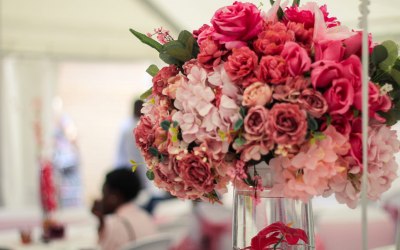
point(251, 215)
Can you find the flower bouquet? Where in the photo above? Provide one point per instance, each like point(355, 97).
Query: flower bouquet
point(281, 86)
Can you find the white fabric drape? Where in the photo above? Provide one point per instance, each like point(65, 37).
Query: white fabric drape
point(24, 80)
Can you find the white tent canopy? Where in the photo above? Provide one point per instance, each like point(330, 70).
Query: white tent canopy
point(99, 29)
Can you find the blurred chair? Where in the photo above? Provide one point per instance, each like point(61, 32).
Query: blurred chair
point(157, 242)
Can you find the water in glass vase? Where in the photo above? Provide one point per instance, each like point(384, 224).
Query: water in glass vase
point(271, 222)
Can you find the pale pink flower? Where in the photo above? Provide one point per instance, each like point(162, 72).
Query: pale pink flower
point(220, 78)
point(173, 84)
point(257, 93)
point(189, 124)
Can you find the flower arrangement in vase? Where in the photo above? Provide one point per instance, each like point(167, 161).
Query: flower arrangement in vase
point(279, 85)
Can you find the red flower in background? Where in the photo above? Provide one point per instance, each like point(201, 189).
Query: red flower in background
point(277, 233)
point(47, 189)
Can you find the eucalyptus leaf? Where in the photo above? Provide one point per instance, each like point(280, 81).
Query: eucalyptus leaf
point(395, 74)
point(240, 141)
point(177, 50)
point(165, 125)
point(154, 151)
point(312, 123)
point(150, 175)
point(152, 70)
point(147, 40)
point(146, 94)
point(379, 54)
point(238, 125)
point(393, 115)
point(168, 59)
point(187, 39)
point(392, 49)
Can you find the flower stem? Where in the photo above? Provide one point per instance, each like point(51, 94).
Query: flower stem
point(279, 242)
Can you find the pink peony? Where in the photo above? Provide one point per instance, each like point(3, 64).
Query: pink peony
point(296, 58)
point(272, 39)
point(324, 72)
point(241, 63)
point(340, 96)
point(196, 173)
point(160, 81)
point(255, 123)
point(272, 69)
point(210, 54)
point(257, 93)
point(287, 124)
point(236, 24)
point(313, 102)
point(376, 102)
point(144, 134)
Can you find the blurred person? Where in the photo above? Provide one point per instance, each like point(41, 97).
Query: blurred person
point(120, 220)
point(127, 151)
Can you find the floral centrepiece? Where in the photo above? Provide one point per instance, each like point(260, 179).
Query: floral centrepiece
point(282, 86)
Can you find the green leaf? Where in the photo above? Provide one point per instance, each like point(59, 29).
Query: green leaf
point(312, 123)
point(146, 94)
point(296, 3)
point(175, 124)
point(238, 125)
point(168, 59)
point(150, 175)
point(392, 49)
point(379, 54)
point(147, 40)
point(240, 141)
point(395, 73)
point(328, 120)
point(165, 125)
point(154, 151)
point(242, 111)
point(393, 115)
point(152, 70)
point(178, 51)
point(319, 136)
point(356, 113)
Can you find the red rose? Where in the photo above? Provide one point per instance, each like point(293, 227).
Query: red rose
point(241, 63)
point(324, 72)
point(255, 123)
point(144, 134)
point(313, 102)
point(340, 96)
point(272, 39)
point(160, 81)
point(287, 123)
point(306, 17)
point(236, 24)
point(297, 58)
point(196, 173)
point(272, 69)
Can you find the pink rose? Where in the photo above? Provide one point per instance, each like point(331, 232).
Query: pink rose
point(330, 50)
point(340, 96)
point(290, 91)
point(324, 72)
point(160, 81)
point(272, 39)
point(356, 140)
point(236, 24)
point(196, 173)
point(272, 69)
point(287, 123)
point(255, 123)
point(257, 93)
point(296, 58)
point(376, 102)
point(203, 33)
point(210, 53)
point(241, 63)
point(352, 70)
point(313, 102)
point(144, 134)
